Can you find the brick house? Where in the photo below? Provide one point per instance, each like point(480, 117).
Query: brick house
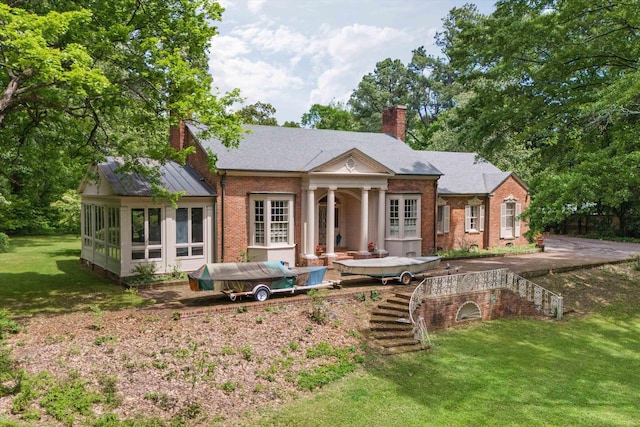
point(287, 192)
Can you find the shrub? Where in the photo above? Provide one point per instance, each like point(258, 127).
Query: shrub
point(4, 242)
point(145, 272)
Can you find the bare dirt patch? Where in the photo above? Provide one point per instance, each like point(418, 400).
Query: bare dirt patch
point(165, 362)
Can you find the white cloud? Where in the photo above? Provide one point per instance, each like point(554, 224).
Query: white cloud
point(227, 47)
point(257, 80)
point(254, 6)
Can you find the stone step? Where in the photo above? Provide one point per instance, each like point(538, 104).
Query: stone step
point(390, 327)
point(390, 313)
point(397, 342)
point(384, 335)
point(393, 307)
point(391, 320)
point(404, 349)
point(403, 295)
point(398, 301)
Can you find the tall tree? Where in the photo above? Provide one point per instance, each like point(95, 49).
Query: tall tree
point(334, 116)
point(80, 80)
point(559, 79)
point(258, 114)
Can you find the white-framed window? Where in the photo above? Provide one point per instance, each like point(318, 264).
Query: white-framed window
point(190, 232)
point(146, 233)
point(100, 230)
point(474, 216)
point(113, 233)
point(87, 230)
point(403, 216)
point(510, 218)
point(271, 219)
point(444, 218)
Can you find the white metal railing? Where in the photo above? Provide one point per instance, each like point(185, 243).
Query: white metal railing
point(544, 300)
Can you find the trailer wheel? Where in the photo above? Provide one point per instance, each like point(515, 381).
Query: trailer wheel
point(405, 278)
point(261, 293)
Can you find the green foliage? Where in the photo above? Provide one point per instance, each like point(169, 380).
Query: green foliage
point(258, 114)
point(85, 80)
point(67, 399)
point(69, 209)
point(320, 312)
point(229, 386)
point(4, 242)
point(327, 373)
point(144, 272)
point(334, 116)
point(554, 84)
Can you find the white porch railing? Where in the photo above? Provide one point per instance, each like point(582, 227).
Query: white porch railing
point(545, 301)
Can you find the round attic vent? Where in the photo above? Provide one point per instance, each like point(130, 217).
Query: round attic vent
point(468, 311)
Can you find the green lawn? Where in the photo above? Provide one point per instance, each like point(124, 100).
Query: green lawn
point(43, 275)
point(580, 372)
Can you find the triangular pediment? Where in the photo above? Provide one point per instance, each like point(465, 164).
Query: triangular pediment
point(352, 162)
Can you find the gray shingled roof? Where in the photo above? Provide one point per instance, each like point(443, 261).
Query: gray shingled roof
point(280, 149)
point(465, 173)
point(174, 178)
point(274, 148)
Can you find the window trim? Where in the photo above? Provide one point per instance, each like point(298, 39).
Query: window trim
point(505, 232)
point(474, 203)
point(268, 200)
point(139, 247)
point(400, 201)
point(190, 244)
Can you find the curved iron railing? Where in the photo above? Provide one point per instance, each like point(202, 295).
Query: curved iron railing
point(544, 300)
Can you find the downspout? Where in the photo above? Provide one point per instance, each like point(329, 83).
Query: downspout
point(223, 185)
point(487, 221)
point(435, 216)
point(215, 230)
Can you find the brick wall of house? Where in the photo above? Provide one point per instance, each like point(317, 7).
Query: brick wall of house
point(237, 209)
point(427, 189)
point(457, 238)
point(511, 187)
point(441, 312)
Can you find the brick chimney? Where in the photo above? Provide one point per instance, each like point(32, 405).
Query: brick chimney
point(176, 135)
point(393, 121)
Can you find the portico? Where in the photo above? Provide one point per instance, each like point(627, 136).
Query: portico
point(343, 214)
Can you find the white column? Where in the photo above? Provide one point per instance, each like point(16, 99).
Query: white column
point(331, 221)
point(364, 220)
point(311, 235)
point(382, 218)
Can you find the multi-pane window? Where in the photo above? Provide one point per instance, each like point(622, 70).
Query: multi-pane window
point(279, 221)
point(404, 216)
point(474, 216)
point(410, 217)
point(272, 222)
point(87, 232)
point(146, 233)
point(394, 217)
point(189, 232)
point(259, 222)
point(509, 219)
point(113, 230)
point(99, 236)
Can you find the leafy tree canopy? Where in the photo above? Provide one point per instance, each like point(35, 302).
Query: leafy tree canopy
point(81, 80)
point(334, 116)
point(557, 81)
point(258, 114)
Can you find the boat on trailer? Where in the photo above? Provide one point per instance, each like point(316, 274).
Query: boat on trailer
point(257, 279)
point(402, 269)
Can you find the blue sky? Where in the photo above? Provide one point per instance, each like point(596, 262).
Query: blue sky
point(296, 53)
